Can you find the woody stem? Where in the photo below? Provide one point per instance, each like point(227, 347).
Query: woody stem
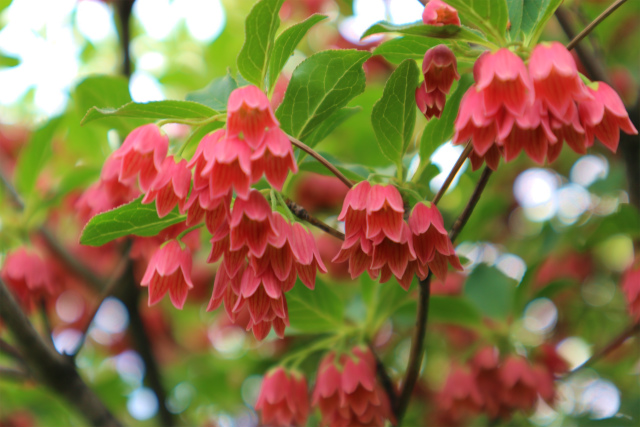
point(301, 213)
point(453, 173)
point(608, 11)
point(327, 164)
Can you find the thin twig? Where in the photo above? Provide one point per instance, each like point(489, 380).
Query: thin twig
point(606, 350)
point(327, 164)
point(301, 213)
point(385, 379)
point(456, 168)
point(471, 204)
point(608, 11)
point(50, 367)
point(45, 321)
point(14, 374)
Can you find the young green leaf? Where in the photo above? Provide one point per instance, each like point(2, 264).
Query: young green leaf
point(132, 218)
point(454, 311)
point(8, 61)
point(285, 45)
point(490, 291)
point(260, 31)
point(515, 8)
point(418, 29)
point(491, 17)
point(151, 111)
point(398, 49)
point(394, 115)
point(439, 131)
point(106, 92)
point(216, 94)
point(330, 124)
point(34, 156)
point(535, 14)
point(353, 172)
point(314, 311)
point(319, 86)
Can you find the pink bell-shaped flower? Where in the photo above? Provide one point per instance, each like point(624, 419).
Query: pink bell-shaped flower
point(249, 114)
point(251, 224)
point(143, 152)
point(274, 158)
point(284, 399)
point(169, 270)
point(170, 187)
point(439, 13)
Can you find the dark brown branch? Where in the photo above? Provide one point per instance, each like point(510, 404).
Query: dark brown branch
point(49, 367)
point(606, 350)
point(301, 213)
point(608, 11)
point(10, 350)
point(327, 164)
point(417, 350)
point(471, 204)
point(124, 8)
point(14, 374)
point(129, 294)
point(385, 379)
point(456, 168)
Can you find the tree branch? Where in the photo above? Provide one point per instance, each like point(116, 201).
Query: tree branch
point(471, 204)
point(327, 164)
point(456, 168)
point(385, 379)
point(14, 374)
point(51, 368)
point(301, 213)
point(608, 11)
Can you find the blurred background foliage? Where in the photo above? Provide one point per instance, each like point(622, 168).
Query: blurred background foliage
point(543, 251)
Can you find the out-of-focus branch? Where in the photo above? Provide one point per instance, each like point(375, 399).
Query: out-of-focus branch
point(456, 168)
point(385, 379)
point(14, 374)
point(124, 8)
point(471, 204)
point(49, 367)
point(10, 350)
point(301, 213)
point(585, 32)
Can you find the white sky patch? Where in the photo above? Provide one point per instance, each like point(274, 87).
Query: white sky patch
point(142, 404)
point(405, 11)
point(535, 190)
point(445, 157)
point(205, 20)
point(145, 88)
point(588, 169)
point(94, 20)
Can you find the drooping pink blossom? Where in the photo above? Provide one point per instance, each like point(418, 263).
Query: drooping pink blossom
point(284, 399)
point(226, 289)
point(204, 154)
point(274, 158)
point(604, 116)
point(251, 224)
point(249, 114)
point(201, 206)
point(630, 283)
point(394, 255)
point(459, 398)
point(503, 80)
point(354, 209)
point(308, 259)
point(440, 69)
point(385, 210)
point(347, 391)
point(229, 168)
point(170, 187)
point(143, 152)
point(520, 384)
point(439, 13)
point(555, 77)
point(430, 104)
point(472, 123)
point(358, 251)
point(28, 277)
point(169, 270)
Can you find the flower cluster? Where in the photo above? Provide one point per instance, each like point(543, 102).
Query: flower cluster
point(438, 13)
point(380, 241)
point(497, 387)
point(512, 108)
point(346, 392)
point(262, 253)
point(440, 69)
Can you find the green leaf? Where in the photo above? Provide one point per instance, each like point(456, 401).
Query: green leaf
point(491, 17)
point(132, 218)
point(535, 14)
point(151, 111)
point(260, 31)
point(398, 49)
point(453, 310)
point(625, 221)
point(394, 115)
point(216, 94)
point(330, 124)
point(419, 29)
point(7, 61)
point(34, 156)
point(315, 311)
point(515, 16)
point(490, 291)
point(439, 131)
point(285, 45)
point(105, 92)
point(319, 86)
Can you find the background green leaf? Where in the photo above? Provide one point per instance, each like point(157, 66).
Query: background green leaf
point(398, 49)
point(394, 115)
point(515, 8)
point(216, 94)
point(132, 218)
point(491, 17)
point(490, 291)
point(453, 310)
point(327, 126)
point(535, 14)
point(260, 30)
point(320, 85)
point(34, 157)
point(152, 111)
point(314, 311)
point(419, 29)
point(286, 43)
